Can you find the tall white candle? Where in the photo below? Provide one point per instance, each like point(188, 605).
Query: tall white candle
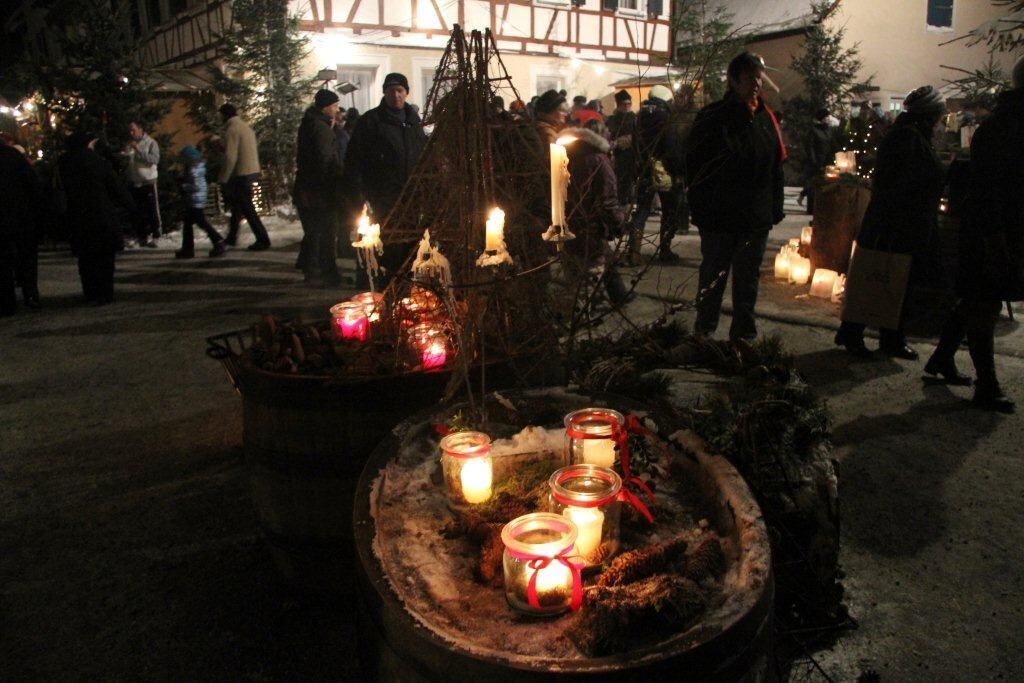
point(559, 183)
point(476, 480)
point(495, 231)
point(589, 524)
point(599, 452)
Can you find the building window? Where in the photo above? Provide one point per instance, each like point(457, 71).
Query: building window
point(366, 97)
point(896, 104)
point(940, 15)
point(631, 6)
point(544, 82)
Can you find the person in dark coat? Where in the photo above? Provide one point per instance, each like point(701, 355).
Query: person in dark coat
point(902, 216)
point(733, 170)
point(819, 155)
point(622, 129)
point(592, 205)
point(93, 197)
point(991, 260)
point(21, 226)
point(386, 144)
point(317, 189)
point(652, 124)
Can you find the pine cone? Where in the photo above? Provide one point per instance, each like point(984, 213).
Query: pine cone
point(705, 561)
point(634, 565)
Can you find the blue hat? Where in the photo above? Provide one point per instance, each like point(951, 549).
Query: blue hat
point(190, 153)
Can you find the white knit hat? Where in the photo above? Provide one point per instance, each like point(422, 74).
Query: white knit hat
point(660, 92)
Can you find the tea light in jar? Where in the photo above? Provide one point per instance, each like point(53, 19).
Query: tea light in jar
point(350, 321)
point(476, 479)
point(434, 354)
point(799, 270)
point(589, 524)
point(782, 265)
point(553, 581)
point(591, 435)
point(372, 302)
point(467, 468)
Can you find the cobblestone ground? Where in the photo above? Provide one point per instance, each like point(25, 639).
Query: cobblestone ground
point(131, 549)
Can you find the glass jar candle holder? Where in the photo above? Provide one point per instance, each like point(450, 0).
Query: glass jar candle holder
point(350, 321)
point(467, 467)
point(588, 495)
point(372, 303)
point(591, 436)
point(428, 345)
point(421, 304)
point(542, 575)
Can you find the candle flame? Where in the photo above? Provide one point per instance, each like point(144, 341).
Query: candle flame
point(566, 140)
point(496, 214)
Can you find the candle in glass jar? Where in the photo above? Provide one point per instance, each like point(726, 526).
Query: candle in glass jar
point(476, 479)
point(600, 452)
point(371, 302)
point(350, 321)
point(823, 283)
point(782, 265)
point(434, 354)
point(554, 580)
point(589, 525)
point(799, 270)
point(495, 230)
point(559, 179)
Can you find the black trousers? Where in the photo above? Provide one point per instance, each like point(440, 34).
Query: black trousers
point(192, 217)
point(722, 251)
point(319, 242)
point(19, 265)
point(96, 268)
point(147, 212)
point(674, 213)
point(238, 196)
point(974, 318)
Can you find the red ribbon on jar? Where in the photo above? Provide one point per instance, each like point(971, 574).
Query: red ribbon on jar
point(535, 563)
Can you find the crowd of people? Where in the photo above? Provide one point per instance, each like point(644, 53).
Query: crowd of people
point(719, 167)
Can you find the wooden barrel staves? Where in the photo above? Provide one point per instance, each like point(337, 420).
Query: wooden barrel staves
point(306, 440)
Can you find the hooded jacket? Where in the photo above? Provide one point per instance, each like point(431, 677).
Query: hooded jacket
point(317, 163)
point(382, 153)
point(732, 161)
point(991, 262)
point(592, 204)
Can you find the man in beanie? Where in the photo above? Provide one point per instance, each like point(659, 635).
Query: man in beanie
point(733, 170)
point(902, 216)
point(386, 143)
point(622, 128)
point(990, 265)
point(317, 189)
point(240, 170)
point(550, 114)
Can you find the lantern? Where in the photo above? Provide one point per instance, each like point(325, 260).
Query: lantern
point(591, 436)
point(823, 282)
point(832, 172)
point(806, 234)
point(350, 321)
point(782, 264)
point(588, 495)
point(372, 303)
point(468, 470)
point(542, 576)
point(799, 270)
point(846, 162)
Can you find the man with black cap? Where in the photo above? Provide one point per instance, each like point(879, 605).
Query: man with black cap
point(622, 128)
point(386, 143)
point(240, 170)
point(317, 189)
point(733, 170)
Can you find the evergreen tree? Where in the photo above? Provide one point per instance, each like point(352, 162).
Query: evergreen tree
point(262, 55)
point(707, 42)
point(828, 70)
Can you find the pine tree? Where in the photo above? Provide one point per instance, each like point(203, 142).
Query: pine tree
point(707, 42)
point(828, 69)
point(261, 75)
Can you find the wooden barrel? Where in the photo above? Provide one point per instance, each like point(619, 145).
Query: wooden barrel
point(306, 440)
point(395, 646)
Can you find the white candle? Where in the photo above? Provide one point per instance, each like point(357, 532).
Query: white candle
point(476, 480)
point(559, 181)
point(555, 578)
point(599, 452)
point(823, 283)
point(589, 524)
point(495, 231)
point(782, 265)
point(799, 270)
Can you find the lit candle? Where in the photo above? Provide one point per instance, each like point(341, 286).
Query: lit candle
point(806, 234)
point(823, 283)
point(600, 452)
point(476, 480)
point(495, 231)
point(434, 354)
point(553, 581)
point(350, 321)
point(782, 265)
point(799, 270)
point(559, 179)
point(371, 303)
point(589, 525)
